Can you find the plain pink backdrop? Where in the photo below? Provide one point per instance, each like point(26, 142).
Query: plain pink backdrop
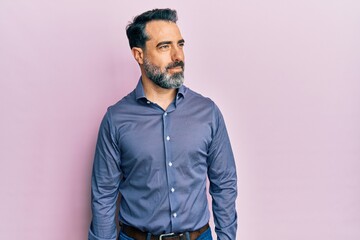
point(286, 75)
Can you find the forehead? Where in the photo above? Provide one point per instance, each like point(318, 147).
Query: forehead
point(159, 30)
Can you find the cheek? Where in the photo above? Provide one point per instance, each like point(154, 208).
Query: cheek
point(165, 63)
point(161, 60)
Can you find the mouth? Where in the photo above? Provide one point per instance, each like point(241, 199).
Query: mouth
point(175, 69)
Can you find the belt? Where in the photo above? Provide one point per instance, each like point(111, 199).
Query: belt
point(140, 235)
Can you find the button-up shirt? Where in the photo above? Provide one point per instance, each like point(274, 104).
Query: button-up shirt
point(159, 161)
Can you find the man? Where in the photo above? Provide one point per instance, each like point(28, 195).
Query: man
point(158, 145)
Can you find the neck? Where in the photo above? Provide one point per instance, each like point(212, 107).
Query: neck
point(161, 96)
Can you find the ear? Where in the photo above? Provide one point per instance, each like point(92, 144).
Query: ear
point(138, 54)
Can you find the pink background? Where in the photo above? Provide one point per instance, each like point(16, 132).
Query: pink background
point(286, 75)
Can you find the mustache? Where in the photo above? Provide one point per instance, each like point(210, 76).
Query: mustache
point(175, 64)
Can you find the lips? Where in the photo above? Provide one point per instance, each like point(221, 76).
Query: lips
point(176, 65)
point(176, 68)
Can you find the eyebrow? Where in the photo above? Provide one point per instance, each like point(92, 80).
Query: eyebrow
point(169, 42)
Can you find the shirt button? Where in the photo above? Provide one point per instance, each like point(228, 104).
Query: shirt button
point(170, 164)
point(174, 215)
point(172, 189)
point(168, 138)
point(165, 114)
point(148, 102)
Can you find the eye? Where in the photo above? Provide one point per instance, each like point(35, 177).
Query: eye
point(164, 47)
point(182, 44)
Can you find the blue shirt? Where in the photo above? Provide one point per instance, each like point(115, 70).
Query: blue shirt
point(159, 161)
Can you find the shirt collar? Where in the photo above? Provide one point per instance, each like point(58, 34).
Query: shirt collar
point(181, 92)
point(140, 94)
point(139, 91)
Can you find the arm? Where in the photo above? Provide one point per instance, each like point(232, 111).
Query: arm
point(105, 181)
point(223, 180)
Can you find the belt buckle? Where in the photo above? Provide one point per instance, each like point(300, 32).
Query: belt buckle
point(166, 235)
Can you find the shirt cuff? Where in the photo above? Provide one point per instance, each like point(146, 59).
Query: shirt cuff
point(92, 236)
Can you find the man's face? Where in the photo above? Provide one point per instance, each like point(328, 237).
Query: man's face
point(163, 54)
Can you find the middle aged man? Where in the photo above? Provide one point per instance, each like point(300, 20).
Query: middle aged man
point(158, 145)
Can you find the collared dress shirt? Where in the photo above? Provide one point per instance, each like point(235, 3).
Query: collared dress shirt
point(159, 161)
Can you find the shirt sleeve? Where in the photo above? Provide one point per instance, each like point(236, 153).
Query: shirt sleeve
point(223, 180)
point(105, 181)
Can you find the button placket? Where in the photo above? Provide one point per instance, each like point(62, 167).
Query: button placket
point(169, 167)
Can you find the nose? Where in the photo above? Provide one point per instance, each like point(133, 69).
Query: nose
point(177, 54)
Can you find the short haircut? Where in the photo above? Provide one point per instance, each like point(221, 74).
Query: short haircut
point(135, 31)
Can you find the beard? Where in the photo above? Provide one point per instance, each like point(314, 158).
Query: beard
point(163, 78)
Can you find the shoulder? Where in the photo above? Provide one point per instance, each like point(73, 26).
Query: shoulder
point(196, 98)
point(123, 105)
point(205, 104)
